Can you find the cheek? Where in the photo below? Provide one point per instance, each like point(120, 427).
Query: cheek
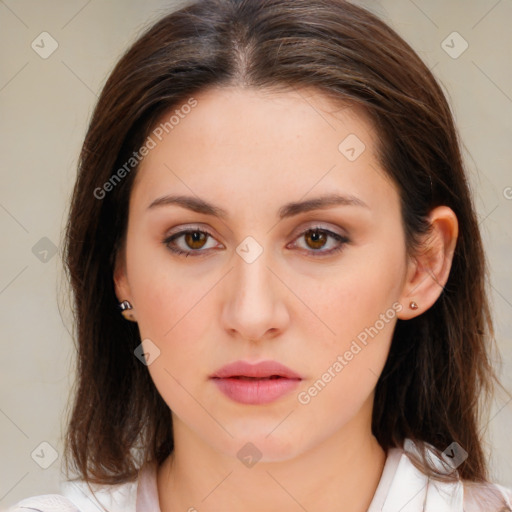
point(352, 296)
point(174, 314)
point(354, 318)
point(345, 367)
point(162, 294)
point(176, 320)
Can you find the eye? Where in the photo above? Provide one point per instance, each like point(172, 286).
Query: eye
point(317, 238)
point(193, 241)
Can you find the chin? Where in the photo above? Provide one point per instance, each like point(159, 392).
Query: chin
point(276, 447)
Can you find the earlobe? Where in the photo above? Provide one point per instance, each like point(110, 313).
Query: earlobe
point(126, 309)
point(430, 269)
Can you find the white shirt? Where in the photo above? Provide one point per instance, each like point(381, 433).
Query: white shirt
point(402, 488)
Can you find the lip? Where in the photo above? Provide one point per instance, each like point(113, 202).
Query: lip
point(255, 384)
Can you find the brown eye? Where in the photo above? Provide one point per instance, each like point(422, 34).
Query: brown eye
point(315, 238)
point(195, 242)
point(318, 241)
point(195, 239)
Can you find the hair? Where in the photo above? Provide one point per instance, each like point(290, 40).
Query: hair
point(438, 372)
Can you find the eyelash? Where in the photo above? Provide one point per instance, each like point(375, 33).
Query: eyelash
point(343, 240)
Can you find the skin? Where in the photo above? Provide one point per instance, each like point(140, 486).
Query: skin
point(250, 152)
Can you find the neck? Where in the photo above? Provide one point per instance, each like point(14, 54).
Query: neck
point(342, 472)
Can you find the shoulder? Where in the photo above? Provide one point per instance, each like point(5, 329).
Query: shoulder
point(96, 498)
point(77, 496)
point(476, 496)
point(44, 503)
point(413, 489)
point(488, 497)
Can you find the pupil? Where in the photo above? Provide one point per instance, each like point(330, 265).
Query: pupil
point(195, 237)
point(317, 238)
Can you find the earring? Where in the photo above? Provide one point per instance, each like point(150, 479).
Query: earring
point(125, 306)
point(413, 305)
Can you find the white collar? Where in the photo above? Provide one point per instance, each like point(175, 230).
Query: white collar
point(403, 487)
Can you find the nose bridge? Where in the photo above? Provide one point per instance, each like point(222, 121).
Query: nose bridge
point(254, 302)
point(252, 277)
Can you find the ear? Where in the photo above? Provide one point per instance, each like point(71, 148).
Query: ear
point(122, 288)
point(428, 270)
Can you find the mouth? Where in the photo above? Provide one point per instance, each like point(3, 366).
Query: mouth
point(262, 370)
point(245, 377)
point(255, 384)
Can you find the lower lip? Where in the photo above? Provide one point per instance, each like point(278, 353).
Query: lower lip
point(256, 391)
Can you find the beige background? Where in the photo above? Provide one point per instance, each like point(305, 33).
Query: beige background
point(45, 107)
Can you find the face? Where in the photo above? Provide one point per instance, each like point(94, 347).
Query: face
point(265, 271)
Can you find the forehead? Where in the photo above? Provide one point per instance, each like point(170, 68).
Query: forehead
point(248, 144)
point(265, 118)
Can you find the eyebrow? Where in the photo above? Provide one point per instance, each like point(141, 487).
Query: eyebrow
point(199, 205)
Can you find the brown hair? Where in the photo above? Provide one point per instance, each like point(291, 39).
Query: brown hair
point(439, 367)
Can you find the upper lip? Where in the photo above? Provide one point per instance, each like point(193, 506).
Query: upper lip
point(261, 370)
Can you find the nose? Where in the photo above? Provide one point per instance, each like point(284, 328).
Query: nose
point(255, 305)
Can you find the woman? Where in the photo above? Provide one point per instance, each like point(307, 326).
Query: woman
point(278, 274)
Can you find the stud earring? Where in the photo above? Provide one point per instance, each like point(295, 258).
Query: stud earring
point(413, 305)
point(125, 306)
